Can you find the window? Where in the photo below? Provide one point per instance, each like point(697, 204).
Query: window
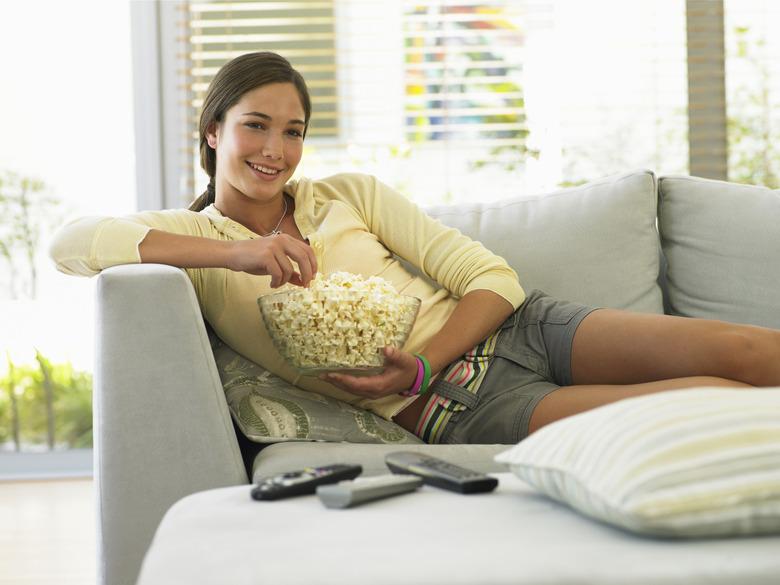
point(442, 79)
point(301, 31)
point(52, 150)
point(445, 97)
point(463, 68)
point(454, 100)
point(753, 91)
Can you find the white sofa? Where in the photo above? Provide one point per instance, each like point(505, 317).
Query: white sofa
point(163, 430)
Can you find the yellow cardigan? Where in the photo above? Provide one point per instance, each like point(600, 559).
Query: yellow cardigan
point(353, 222)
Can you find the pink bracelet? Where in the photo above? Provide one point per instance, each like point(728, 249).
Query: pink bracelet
point(417, 381)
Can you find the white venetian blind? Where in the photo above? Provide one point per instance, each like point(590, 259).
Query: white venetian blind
point(463, 65)
point(301, 31)
point(459, 100)
point(706, 89)
point(397, 87)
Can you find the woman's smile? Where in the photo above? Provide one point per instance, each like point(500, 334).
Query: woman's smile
point(263, 172)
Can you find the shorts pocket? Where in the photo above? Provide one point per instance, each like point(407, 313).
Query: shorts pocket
point(527, 361)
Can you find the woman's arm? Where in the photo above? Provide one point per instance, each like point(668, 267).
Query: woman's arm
point(477, 315)
point(161, 247)
point(90, 244)
point(263, 256)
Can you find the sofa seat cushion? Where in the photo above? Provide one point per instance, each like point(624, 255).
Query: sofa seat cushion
point(701, 462)
point(510, 536)
point(291, 456)
point(595, 244)
point(722, 243)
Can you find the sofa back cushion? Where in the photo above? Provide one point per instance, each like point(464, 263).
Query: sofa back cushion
point(596, 244)
point(722, 243)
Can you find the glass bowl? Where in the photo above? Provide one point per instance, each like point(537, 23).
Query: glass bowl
point(319, 331)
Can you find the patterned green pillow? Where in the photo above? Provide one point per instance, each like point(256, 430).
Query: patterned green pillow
point(268, 409)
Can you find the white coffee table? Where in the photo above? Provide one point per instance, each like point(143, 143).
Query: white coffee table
point(512, 536)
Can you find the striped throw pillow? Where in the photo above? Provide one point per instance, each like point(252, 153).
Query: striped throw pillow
point(686, 463)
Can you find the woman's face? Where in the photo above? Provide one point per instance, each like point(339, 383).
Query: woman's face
point(259, 143)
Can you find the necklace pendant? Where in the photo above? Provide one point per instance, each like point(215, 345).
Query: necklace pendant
point(276, 231)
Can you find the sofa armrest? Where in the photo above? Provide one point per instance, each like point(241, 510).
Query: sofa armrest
point(162, 428)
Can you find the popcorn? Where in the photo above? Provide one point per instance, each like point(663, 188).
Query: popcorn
point(340, 322)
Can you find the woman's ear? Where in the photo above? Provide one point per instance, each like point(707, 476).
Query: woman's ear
point(212, 133)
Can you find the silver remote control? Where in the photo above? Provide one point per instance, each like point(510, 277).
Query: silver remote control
point(366, 489)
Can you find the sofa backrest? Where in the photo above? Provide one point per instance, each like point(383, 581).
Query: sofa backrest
point(596, 243)
point(679, 244)
point(722, 244)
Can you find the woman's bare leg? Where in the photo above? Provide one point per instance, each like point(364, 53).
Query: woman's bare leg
point(570, 400)
point(618, 354)
point(619, 347)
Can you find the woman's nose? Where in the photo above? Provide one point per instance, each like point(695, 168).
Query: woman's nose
point(272, 148)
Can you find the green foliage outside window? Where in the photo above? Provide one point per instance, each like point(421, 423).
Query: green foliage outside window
point(27, 211)
point(45, 404)
point(753, 135)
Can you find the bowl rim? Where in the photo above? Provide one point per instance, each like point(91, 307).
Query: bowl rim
point(284, 293)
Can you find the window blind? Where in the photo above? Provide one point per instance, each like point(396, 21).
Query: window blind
point(443, 97)
point(706, 89)
point(302, 31)
point(463, 65)
point(441, 79)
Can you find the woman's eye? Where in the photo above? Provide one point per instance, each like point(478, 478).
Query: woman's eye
point(256, 125)
point(295, 133)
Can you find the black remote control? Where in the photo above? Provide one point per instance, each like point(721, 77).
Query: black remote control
point(303, 481)
point(440, 473)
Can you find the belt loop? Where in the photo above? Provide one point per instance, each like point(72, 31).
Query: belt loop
point(456, 393)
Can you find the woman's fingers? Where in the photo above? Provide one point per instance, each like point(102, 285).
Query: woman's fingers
point(275, 256)
point(301, 254)
point(305, 268)
point(399, 373)
point(312, 259)
point(272, 269)
point(285, 266)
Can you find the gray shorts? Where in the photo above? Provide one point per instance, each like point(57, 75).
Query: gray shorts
point(532, 358)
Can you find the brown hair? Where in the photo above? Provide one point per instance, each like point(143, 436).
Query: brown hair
point(233, 80)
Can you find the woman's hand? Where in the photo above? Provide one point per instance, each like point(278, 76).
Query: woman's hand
point(274, 256)
point(398, 375)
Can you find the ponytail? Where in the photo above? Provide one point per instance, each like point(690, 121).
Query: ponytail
point(206, 198)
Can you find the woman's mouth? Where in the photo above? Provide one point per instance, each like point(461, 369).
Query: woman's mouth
point(263, 172)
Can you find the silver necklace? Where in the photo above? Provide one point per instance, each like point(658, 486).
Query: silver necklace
point(276, 231)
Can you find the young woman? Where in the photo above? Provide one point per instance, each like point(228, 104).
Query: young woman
point(503, 363)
